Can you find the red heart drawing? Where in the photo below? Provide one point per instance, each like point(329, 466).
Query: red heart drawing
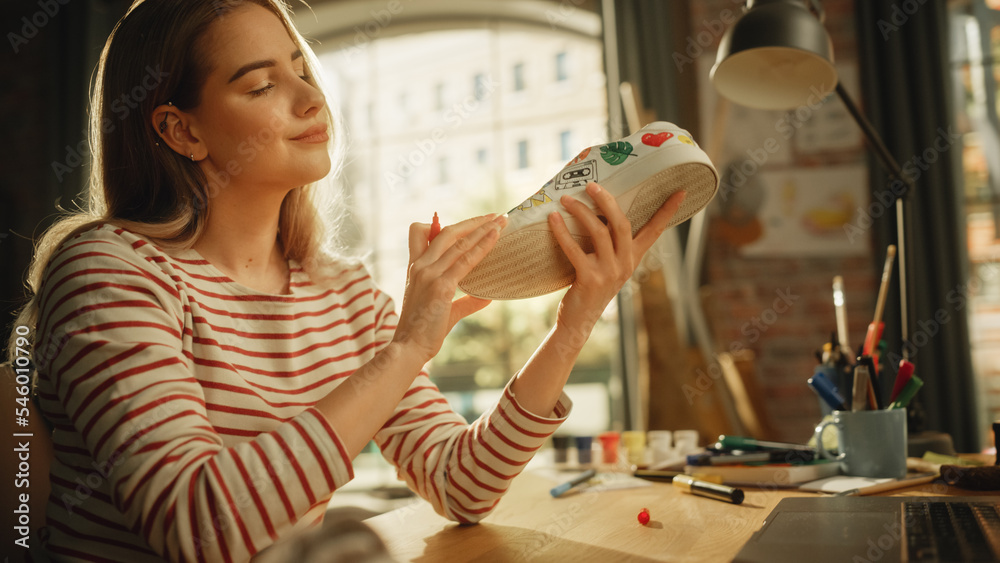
point(656, 140)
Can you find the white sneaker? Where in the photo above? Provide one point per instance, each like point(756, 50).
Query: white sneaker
point(642, 171)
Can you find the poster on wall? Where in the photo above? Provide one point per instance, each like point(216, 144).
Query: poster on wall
point(804, 212)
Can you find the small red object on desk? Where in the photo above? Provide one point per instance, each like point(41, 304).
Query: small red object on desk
point(644, 516)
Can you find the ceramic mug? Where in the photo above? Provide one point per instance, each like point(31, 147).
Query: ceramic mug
point(871, 443)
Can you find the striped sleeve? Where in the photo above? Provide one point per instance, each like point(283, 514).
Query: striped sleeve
point(461, 469)
point(127, 388)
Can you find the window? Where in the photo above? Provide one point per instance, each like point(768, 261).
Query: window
point(565, 146)
point(471, 160)
point(975, 46)
point(562, 72)
point(403, 105)
point(443, 170)
point(480, 86)
point(439, 96)
point(519, 77)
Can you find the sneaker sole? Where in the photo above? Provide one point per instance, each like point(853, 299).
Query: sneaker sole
point(529, 262)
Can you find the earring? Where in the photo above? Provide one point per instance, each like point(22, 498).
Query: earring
point(163, 124)
point(192, 157)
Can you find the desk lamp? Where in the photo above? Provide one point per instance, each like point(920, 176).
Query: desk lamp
point(777, 56)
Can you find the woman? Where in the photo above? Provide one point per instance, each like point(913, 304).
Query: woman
point(210, 367)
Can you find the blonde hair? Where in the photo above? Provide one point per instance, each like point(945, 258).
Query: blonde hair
point(151, 190)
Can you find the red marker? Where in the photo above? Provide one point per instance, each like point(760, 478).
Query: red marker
point(903, 376)
point(435, 228)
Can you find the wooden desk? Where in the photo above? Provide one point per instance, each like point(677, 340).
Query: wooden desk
point(529, 525)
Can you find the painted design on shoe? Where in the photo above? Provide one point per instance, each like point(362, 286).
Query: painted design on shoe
point(617, 152)
point(579, 158)
point(577, 176)
point(527, 260)
point(657, 139)
point(539, 198)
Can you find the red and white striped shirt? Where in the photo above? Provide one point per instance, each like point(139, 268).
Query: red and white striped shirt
point(183, 401)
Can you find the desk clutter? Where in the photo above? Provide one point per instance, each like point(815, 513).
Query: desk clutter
point(631, 459)
point(844, 381)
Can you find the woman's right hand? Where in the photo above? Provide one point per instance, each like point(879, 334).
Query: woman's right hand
point(429, 309)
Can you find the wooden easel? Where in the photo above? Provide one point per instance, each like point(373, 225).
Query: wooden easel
point(689, 383)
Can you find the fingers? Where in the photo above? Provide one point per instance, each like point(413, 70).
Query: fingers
point(452, 233)
point(460, 258)
point(569, 246)
point(619, 225)
point(652, 230)
point(465, 306)
point(420, 234)
point(455, 251)
point(598, 227)
point(610, 231)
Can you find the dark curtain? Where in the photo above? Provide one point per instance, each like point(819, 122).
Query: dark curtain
point(49, 57)
point(649, 33)
point(903, 48)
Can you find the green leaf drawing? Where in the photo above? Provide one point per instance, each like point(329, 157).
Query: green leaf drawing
point(616, 153)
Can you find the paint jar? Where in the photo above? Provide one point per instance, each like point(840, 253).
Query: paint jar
point(685, 442)
point(635, 447)
point(584, 453)
point(561, 445)
point(660, 446)
point(609, 447)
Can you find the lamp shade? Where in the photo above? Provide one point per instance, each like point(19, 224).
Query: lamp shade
point(777, 56)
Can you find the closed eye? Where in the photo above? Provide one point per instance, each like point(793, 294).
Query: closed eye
point(262, 91)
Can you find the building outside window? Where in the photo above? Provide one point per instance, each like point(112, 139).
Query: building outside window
point(443, 170)
point(470, 159)
point(562, 66)
point(480, 86)
point(975, 56)
point(566, 149)
point(522, 154)
point(439, 96)
point(518, 77)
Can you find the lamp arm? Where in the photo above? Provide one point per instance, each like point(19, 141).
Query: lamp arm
point(903, 235)
point(874, 139)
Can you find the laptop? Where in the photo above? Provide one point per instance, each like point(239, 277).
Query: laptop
point(885, 529)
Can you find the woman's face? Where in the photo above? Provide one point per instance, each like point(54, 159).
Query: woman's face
point(260, 118)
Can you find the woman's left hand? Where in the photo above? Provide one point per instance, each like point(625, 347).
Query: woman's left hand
point(602, 273)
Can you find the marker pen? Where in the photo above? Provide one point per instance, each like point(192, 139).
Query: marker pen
point(579, 480)
point(911, 388)
point(826, 390)
point(903, 376)
point(691, 485)
point(769, 456)
point(727, 442)
point(656, 475)
point(435, 228)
